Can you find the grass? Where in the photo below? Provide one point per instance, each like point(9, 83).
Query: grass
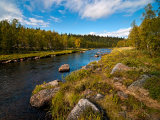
point(78, 82)
point(153, 85)
point(38, 54)
point(89, 114)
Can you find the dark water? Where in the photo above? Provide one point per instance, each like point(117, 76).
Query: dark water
point(17, 80)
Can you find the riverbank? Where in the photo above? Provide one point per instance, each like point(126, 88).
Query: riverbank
point(131, 91)
point(35, 55)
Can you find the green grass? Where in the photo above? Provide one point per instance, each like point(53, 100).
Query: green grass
point(89, 114)
point(153, 85)
point(81, 80)
point(38, 54)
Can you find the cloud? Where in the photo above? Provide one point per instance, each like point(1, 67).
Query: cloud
point(10, 11)
point(119, 33)
point(61, 11)
point(49, 3)
point(36, 22)
point(55, 19)
point(95, 9)
point(28, 7)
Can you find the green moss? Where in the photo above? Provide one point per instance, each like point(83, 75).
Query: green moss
point(38, 88)
point(89, 114)
point(153, 85)
point(41, 87)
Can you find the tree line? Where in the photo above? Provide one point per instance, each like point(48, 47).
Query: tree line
point(146, 36)
point(16, 38)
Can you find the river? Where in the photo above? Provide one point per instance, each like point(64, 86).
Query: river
point(17, 80)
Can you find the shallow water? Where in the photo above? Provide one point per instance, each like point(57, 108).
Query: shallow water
point(17, 80)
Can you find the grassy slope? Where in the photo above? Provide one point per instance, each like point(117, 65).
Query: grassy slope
point(79, 81)
point(37, 54)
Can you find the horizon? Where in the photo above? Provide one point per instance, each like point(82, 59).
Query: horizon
point(90, 17)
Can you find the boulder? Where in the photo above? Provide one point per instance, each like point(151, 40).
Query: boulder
point(82, 51)
point(64, 68)
point(43, 97)
point(8, 61)
point(99, 69)
point(91, 66)
point(122, 95)
point(96, 55)
point(140, 82)
point(35, 58)
point(21, 59)
point(53, 55)
point(84, 67)
point(52, 83)
point(15, 60)
point(82, 105)
point(99, 96)
point(137, 86)
point(120, 67)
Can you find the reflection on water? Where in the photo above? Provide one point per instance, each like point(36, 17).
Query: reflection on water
point(17, 80)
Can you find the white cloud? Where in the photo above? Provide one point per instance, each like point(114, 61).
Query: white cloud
point(36, 22)
point(10, 11)
point(61, 11)
point(95, 9)
point(55, 19)
point(119, 33)
point(49, 3)
point(28, 7)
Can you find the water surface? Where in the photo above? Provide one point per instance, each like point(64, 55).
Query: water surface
point(17, 80)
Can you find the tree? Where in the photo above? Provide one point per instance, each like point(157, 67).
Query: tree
point(134, 35)
point(77, 42)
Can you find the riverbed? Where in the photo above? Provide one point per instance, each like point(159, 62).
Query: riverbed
point(17, 80)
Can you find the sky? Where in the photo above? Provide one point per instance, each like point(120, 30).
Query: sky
point(97, 17)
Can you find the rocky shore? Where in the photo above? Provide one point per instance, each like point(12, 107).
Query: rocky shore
point(98, 91)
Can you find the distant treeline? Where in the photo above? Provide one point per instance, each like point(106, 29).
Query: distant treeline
point(15, 38)
point(147, 35)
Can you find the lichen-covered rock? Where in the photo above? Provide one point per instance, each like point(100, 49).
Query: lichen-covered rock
point(91, 66)
point(120, 67)
point(140, 82)
point(137, 86)
point(52, 83)
point(122, 95)
point(99, 96)
point(96, 55)
point(64, 68)
point(82, 105)
point(84, 67)
point(99, 69)
point(43, 97)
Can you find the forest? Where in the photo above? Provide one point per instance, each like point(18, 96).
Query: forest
point(16, 38)
point(146, 36)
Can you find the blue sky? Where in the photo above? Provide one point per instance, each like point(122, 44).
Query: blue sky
point(99, 17)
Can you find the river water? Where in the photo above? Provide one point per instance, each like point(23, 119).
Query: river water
point(17, 80)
